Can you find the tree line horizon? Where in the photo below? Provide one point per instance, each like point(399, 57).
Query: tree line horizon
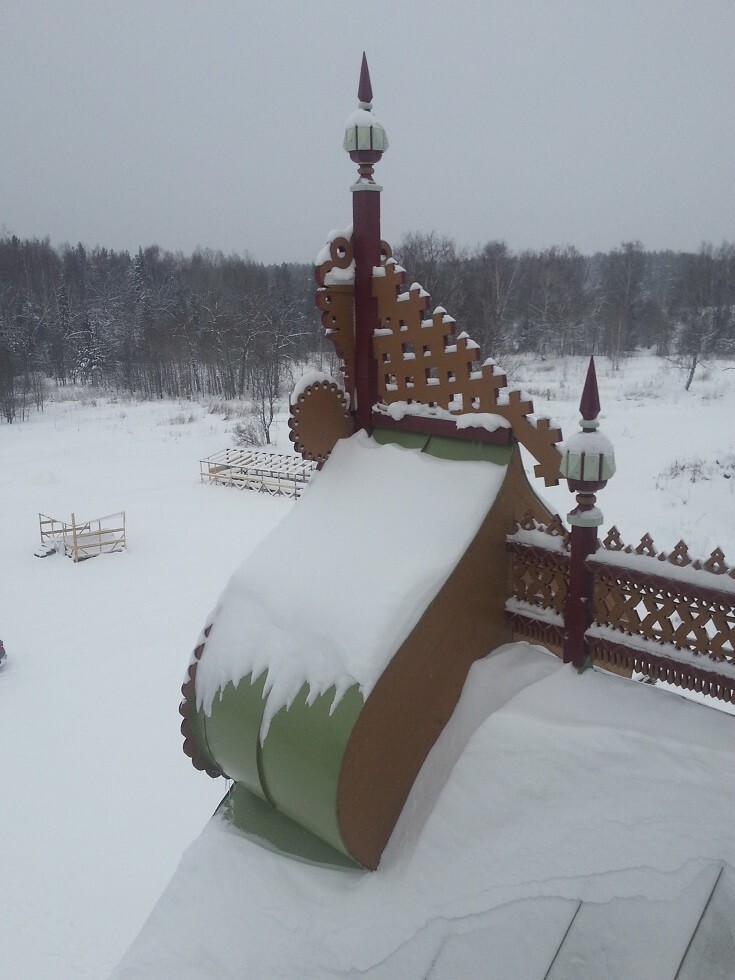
point(161, 324)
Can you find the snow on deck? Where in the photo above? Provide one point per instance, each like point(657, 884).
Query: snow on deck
point(330, 595)
point(583, 806)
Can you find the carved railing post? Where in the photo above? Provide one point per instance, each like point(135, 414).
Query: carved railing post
point(588, 462)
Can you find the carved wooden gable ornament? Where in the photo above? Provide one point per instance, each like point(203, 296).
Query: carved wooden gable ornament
point(400, 368)
point(424, 368)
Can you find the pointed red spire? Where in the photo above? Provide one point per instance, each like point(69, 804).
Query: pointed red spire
point(365, 89)
point(589, 407)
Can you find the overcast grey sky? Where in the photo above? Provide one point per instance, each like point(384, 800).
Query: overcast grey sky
point(189, 123)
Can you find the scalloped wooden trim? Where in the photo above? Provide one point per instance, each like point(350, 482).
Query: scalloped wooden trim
point(319, 419)
point(678, 556)
point(340, 257)
point(656, 667)
point(199, 758)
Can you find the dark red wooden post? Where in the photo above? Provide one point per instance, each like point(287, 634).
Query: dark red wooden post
point(578, 605)
point(365, 140)
point(588, 462)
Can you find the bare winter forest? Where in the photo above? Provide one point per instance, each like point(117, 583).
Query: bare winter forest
point(160, 325)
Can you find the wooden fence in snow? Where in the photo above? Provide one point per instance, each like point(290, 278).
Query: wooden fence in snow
point(85, 539)
point(663, 615)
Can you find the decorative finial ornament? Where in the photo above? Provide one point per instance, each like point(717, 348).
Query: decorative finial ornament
point(365, 89)
point(589, 406)
point(587, 463)
point(588, 458)
point(365, 139)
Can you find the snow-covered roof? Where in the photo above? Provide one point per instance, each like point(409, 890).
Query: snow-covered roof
point(586, 824)
point(330, 595)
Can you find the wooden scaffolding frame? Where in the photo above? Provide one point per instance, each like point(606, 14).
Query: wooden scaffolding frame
point(250, 469)
point(85, 539)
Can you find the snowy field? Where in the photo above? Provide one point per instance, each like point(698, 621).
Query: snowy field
point(97, 801)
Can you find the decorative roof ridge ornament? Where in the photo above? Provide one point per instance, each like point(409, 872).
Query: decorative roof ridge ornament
point(587, 463)
point(588, 457)
point(377, 327)
point(589, 406)
point(424, 360)
point(365, 138)
point(364, 88)
point(365, 141)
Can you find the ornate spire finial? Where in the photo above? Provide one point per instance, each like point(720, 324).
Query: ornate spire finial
point(365, 139)
point(588, 462)
point(588, 459)
point(589, 406)
point(365, 89)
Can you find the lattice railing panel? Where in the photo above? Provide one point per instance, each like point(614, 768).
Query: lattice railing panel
point(539, 581)
point(666, 598)
point(540, 565)
point(667, 613)
point(540, 578)
point(661, 614)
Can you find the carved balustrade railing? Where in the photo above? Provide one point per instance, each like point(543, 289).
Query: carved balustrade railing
point(660, 614)
point(540, 578)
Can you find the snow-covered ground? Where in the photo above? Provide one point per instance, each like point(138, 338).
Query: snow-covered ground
point(97, 801)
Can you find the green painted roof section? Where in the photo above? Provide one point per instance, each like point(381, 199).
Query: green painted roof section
point(409, 440)
point(272, 829)
point(232, 732)
point(302, 755)
point(463, 450)
point(444, 447)
point(296, 769)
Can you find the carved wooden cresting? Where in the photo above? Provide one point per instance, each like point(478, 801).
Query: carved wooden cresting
point(335, 298)
point(324, 411)
point(423, 360)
